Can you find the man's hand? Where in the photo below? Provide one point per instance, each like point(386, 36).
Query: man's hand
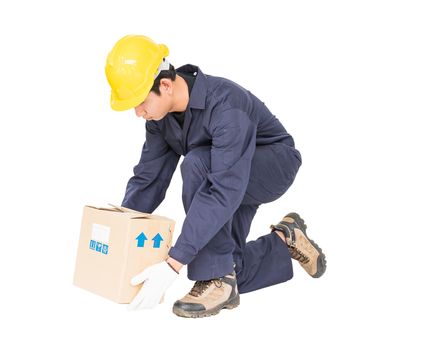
point(157, 279)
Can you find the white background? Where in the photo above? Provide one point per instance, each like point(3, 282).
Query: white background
point(344, 77)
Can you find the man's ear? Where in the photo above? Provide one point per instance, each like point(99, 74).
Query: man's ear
point(166, 85)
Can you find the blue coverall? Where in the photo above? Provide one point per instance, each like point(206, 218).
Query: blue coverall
point(237, 155)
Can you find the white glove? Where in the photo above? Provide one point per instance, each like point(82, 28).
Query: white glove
point(157, 278)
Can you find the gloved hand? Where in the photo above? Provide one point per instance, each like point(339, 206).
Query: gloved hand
point(157, 278)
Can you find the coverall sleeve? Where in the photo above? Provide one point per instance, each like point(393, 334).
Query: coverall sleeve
point(221, 192)
point(147, 188)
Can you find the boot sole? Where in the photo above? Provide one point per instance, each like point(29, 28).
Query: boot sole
point(230, 304)
point(321, 259)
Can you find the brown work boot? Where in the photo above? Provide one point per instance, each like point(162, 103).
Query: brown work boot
point(207, 298)
point(303, 249)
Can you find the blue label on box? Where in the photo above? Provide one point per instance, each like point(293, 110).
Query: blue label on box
point(99, 247)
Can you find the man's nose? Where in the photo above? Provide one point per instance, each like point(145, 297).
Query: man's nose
point(139, 110)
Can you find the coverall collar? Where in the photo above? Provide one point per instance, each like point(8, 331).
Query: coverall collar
point(197, 99)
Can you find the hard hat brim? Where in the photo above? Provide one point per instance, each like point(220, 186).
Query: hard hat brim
point(123, 105)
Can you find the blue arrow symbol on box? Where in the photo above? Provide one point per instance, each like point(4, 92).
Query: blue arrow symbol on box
point(157, 239)
point(141, 239)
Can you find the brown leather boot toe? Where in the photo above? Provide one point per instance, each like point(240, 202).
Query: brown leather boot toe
point(207, 298)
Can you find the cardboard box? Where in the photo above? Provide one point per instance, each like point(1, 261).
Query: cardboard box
point(115, 244)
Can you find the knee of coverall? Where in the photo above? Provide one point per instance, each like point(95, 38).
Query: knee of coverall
point(196, 163)
point(194, 170)
point(273, 170)
point(288, 162)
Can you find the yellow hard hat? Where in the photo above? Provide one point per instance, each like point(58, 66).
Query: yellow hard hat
point(131, 67)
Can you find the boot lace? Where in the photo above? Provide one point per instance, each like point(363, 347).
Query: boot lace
point(298, 254)
point(200, 286)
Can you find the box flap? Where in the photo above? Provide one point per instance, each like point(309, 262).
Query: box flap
point(118, 209)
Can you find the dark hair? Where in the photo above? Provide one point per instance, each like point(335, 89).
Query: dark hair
point(169, 74)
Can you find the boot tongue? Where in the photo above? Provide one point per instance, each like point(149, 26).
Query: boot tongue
point(199, 288)
point(288, 234)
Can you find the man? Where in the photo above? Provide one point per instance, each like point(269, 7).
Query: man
point(237, 155)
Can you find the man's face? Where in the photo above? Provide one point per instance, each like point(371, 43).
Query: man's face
point(155, 107)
